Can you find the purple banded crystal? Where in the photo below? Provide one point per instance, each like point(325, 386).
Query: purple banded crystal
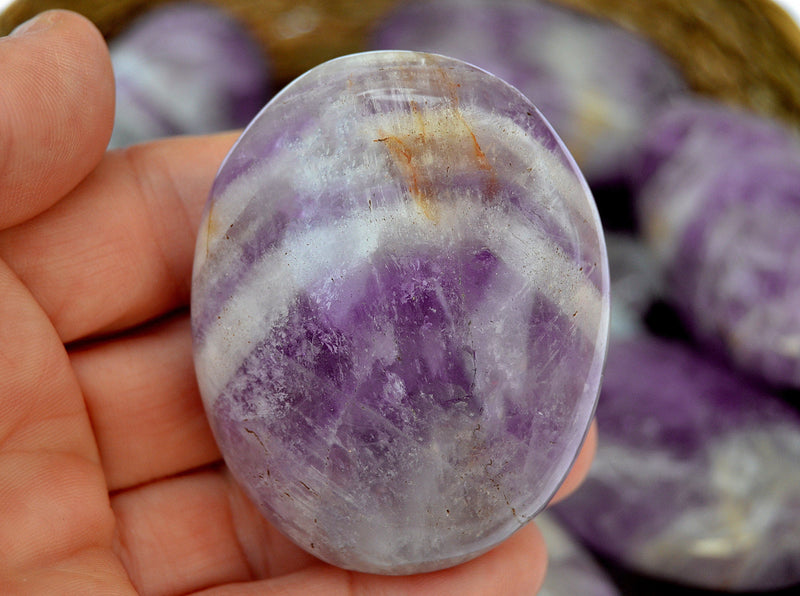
point(185, 68)
point(697, 474)
point(721, 209)
point(596, 83)
point(400, 309)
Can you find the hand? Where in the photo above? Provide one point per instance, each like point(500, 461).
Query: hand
point(111, 482)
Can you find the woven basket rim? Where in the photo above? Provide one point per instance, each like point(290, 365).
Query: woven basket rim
point(755, 62)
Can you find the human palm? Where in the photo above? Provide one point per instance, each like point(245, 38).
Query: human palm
point(110, 480)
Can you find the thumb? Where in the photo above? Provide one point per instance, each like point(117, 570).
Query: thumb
point(56, 111)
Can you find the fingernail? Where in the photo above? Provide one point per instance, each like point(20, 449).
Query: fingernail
point(40, 22)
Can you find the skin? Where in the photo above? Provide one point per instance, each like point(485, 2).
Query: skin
point(111, 480)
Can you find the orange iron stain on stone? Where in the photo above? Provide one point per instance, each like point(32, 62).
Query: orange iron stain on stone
point(433, 143)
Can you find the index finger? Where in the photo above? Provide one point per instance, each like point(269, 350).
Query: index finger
point(118, 250)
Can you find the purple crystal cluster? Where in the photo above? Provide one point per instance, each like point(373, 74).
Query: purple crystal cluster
point(400, 306)
point(597, 84)
point(185, 68)
point(697, 475)
point(719, 202)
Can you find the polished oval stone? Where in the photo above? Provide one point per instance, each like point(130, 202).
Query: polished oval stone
point(400, 308)
point(719, 204)
point(185, 68)
point(697, 473)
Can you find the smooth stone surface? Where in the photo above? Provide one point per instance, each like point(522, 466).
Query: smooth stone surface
point(721, 210)
point(571, 570)
point(400, 307)
point(697, 474)
point(596, 83)
point(185, 68)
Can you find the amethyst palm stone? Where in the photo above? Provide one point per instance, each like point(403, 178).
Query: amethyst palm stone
point(186, 68)
point(719, 203)
point(400, 311)
point(697, 473)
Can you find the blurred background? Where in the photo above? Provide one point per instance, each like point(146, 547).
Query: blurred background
point(684, 117)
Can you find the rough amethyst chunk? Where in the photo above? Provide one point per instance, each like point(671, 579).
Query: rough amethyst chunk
point(596, 83)
point(185, 68)
point(696, 477)
point(721, 210)
point(400, 310)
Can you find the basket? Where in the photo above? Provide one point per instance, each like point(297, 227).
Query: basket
point(745, 52)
